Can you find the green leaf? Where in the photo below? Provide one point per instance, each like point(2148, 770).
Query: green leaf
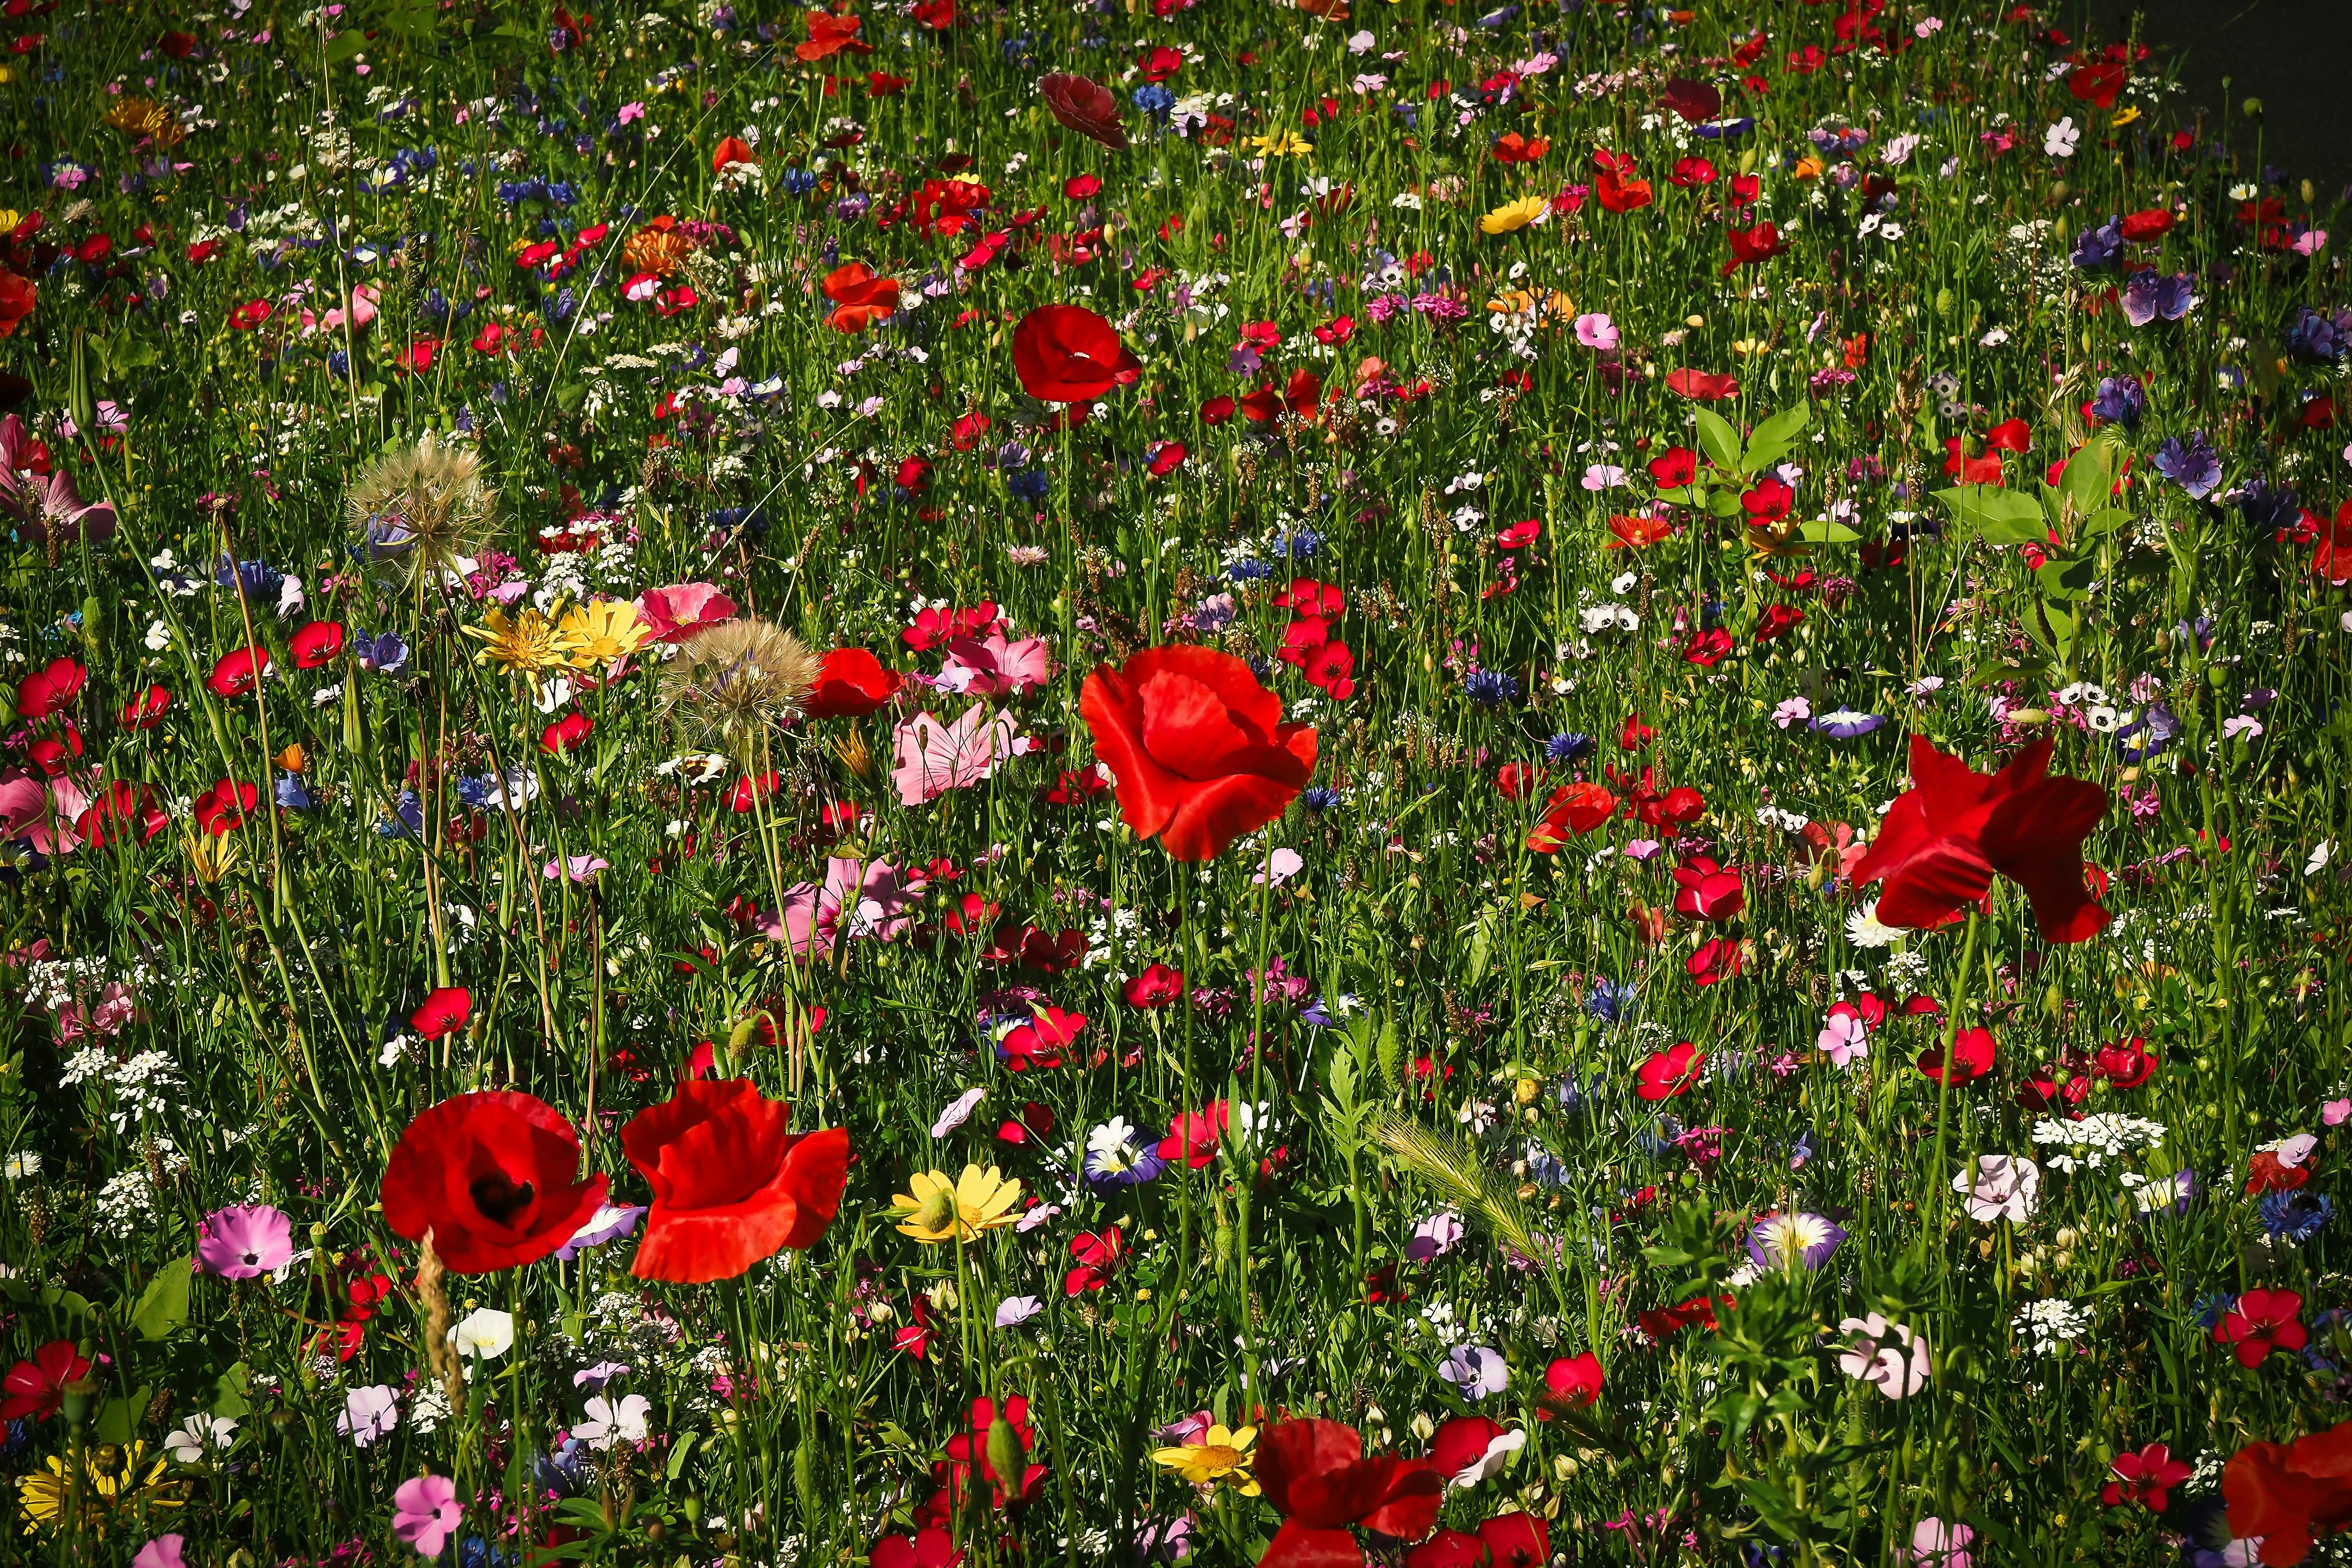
point(571, 395)
point(118, 1419)
point(1723, 503)
point(2104, 521)
point(163, 1305)
point(1995, 515)
point(1719, 440)
point(1776, 436)
point(2066, 580)
point(677, 1454)
point(1824, 531)
point(344, 45)
point(2087, 480)
point(229, 1389)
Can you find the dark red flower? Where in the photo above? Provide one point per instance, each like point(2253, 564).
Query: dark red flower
point(238, 673)
point(1778, 620)
point(1315, 1475)
point(2097, 85)
point(2127, 1064)
point(1949, 833)
point(121, 802)
point(1674, 468)
point(1715, 960)
point(316, 644)
point(2145, 1477)
point(1696, 101)
point(1570, 1383)
point(2287, 1494)
point(1517, 1541)
point(1157, 986)
point(1086, 107)
point(36, 1388)
point(2261, 1322)
point(1707, 648)
point(221, 809)
point(1448, 1549)
point(1707, 891)
point(1066, 354)
point(50, 689)
point(732, 1184)
point(850, 684)
point(492, 1175)
point(567, 734)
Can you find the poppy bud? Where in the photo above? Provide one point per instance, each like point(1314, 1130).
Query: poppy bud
point(937, 1212)
point(1007, 1460)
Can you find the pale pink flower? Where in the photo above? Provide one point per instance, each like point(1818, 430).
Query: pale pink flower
point(1935, 1544)
point(933, 758)
point(2006, 1186)
point(1888, 1356)
point(991, 666)
point(1594, 329)
point(1844, 1036)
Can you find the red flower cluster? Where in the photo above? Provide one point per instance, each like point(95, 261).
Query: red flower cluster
point(1307, 644)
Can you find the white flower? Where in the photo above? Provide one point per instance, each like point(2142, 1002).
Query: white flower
point(1609, 618)
point(486, 1335)
point(1014, 1311)
point(609, 1422)
point(1993, 339)
point(1864, 929)
point(1406, 199)
point(368, 1413)
point(2059, 139)
point(959, 1111)
point(192, 1439)
point(21, 1165)
point(2052, 1323)
point(1362, 42)
point(2008, 1186)
point(2319, 857)
point(1898, 149)
point(1488, 1465)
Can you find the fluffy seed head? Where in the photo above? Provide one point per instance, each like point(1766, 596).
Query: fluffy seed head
point(421, 509)
point(738, 678)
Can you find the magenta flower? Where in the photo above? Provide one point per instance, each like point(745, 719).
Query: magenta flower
point(245, 1241)
point(163, 1552)
point(424, 1513)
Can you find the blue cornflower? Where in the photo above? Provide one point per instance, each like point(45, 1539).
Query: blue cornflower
point(1248, 571)
point(2296, 1216)
point(1610, 1002)
point(1488, 687)
point(291, 795)
point(1302, 544)
point(409, 820)
point(1030, 484)
point(475, 794)
point(1321, 797)
point(1568, 747)
point(259, 579)
point(1155, 100)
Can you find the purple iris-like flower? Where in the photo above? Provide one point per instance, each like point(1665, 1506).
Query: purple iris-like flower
point(2152, 295)
point(2193, 465)
point(1796, 1239)
point(609, 1222)
point(2321, 339)
point(2098, 247)
point(1845, 724)
point(1727, 129)
point(245, 1241)
point(2121, 400)
point(385, 654)
point(2266, 508)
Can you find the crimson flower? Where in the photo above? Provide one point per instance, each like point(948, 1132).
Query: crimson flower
point(36, 1388)
point(1086, 107)
point(1517, 1541)
point(121, 802)
point(2261, 1322)
point(1954, 828)
point(1706, 892)
point(731, 1185)
point(444, 1011)
point(1707, 648)
point(316, 644)
point(1158, 986)
point(567, 734)
point(1777, 621)
point(2286, 1494)
point(239, 673)
point(50, 689)
point(1670, 1072)
point(1316, 1476)
point(1066, 354)
point(2145, 1477)
point(1570, 1383)
point(850, 684)
point(1972, 1055)
point(2127, 1064)
point(221, 809)
point(146, 710)
point(1751, 246)
point(490, 1174)
point(1674, 468)
point(1193, 1135)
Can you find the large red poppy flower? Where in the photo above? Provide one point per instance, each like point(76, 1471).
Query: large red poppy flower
point(492, 1175)
point(222, 808)
point(1669, 1073)
point(1066, 354)
point(132, 806)
point(850, 684)
point(1702, 385)
point(2289, 1494)
point(829, 35)
point(146, 710)
point(1198, 748)
point(1573, 810)
point(1316, 1476)
point(731, 1185)
point(50, 689)
point(1707, 891)
point(1955, 828)
point(859, 297)
point(36, 1388)
point(1086, 107)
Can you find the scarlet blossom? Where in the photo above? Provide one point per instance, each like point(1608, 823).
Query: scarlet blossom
point(1448, 1548)
point(1081, 187)
point(1708, 647)
point(1573, 811)
point(1157, 986)
point(1164, 458)
point(2331, 559)
point(1615, 188)
point(1669, 1073)
point(490, 1176)
point(1066, 354)
point(731, 1185)
point(1706, 892)
point(50, 689)
point(121, 802)
point(1193, 1135)
point(2288, 1494)
point(443, 1012)
point(2010, 436)
point(222, 808)
point(1982, 469)
point(850, 684)
point(1753, 246)
point(1674, 468)
point(316, 644)
point(1661, 1323)
point(238, 673)
point(1947, 836)
point(1198, 748)
point(2146, 1477)
point(2127, 1064)
point(828, 35)
point(1039, 1042)
point(1099, 1254)
point(2141, 227)
point(1298, 397)
point(1696, 101)
point(1086, 107)
point(1570, 1383)
point(675, 613)
point(1217, 410)
point(1715, 960)
point(939, 16)
point(859, 297)
point(1692, 171)
point(732, 150)
point(1777, 621)
point(249, 315)
point(1972, 1057)
point(1702, 387)
point(2097, 85)
point(567, 734)
point(2261, 1322)
point(1520, 1540)
point(931, 1547)
point(17, 296)
point(1316, 1476)
point(36, 1389)
point(1519, 534)
point(1768, 501)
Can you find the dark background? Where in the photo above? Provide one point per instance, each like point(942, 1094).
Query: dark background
point(2294, 55)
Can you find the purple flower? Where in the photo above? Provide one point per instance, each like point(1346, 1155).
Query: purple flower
point(245, 1242)
point(2098, 247)
point(2193, 465)
point(1845, 724)
point(2321, 339)
point(1793, 1239)
point(2151, 295)
point(424, 1513)
point(2266, 508)
point(609, 1222)
point(2121, 400)
point(1476, 1372)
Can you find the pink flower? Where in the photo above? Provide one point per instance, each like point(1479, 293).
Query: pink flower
point(1843, 1037)
point(991, 666)
point(677, 612)
point(1935, 1544)
point(874, 895)
point(1594, 329)
point(1888, 1356)
point(630, 112)
point(577, 868)
point(933, 758)
point(2311, 242)
point(163, 1552)
point(424, 1513)
point(245, 1241)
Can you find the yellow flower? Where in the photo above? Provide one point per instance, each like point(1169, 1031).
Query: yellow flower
point(525, 644)
point(2124, 116)
point(1512, 216)
point(111, 1482)
point(1287, 144)
point(605, 632)
point(213, 857)
point(1223, 1455)
point(960, 1210)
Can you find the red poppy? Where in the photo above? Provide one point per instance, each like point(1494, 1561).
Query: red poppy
point(2287, 1494)
point(1157, 986)
point(1702, 387)
point(2261, 1322)
point(1707, 648)
point(1315, 1475)
point(732, 1184)
point(36, 1388)
point(2145, 1477)
point(1299, 396)
point(1715, 960)
point(1086, 107)
point(1193, 1136)
point(1066, 354)
point(2097, 85)
point(939, 16)
point(1669, 1073)
point(1165, 457)
point(1778, 620)
point(1198, 748)
point(1696, 101)
point(249, 315)
point(1706, 892)
point(2010, 436)
point(316, 644)
point(1692, 171)
point(2140, 227)
point(221, 808)
point(238, 673)
point(1217, 410)
point(1519, 1540)
point(1949, 834)
point(850, 684)
point(1982, 469)
point(444, 1011)
point(50, 689)
point(490, 1176)
point(732, 150)
point(1617, 192)
point(2127, 1064)
point(567, 734)
point(1972, 1056)
point(1768, 501)
point(2333, 557)
point(124, 802)
point(829, 35)
point(17, 296)
point(1573, 810)
point(1570, 1383)
point(1753, 246)
point(931, 1547)
point(1447, 1548)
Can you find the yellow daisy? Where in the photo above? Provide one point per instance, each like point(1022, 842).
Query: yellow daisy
point(605, 632)
point(1286, 144)
point(111, 1482)
point(524, 644)
point(1512, 216)
point(959, 1210)
point(1223, 1457)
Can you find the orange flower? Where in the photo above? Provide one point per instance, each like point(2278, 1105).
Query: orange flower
point(859, 297)
point(828, 36)
point(733, 149)
point(1638, 532)
point(656, 249)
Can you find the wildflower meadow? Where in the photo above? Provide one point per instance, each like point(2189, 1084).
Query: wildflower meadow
point(950, 783)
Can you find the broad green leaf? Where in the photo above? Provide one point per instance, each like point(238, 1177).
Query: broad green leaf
point(2104, 520)
point(1776, 436)
point(344, 45)
point(2066, 580)
point(229, 1389)
point(677, 1454)
point(163, 1305)
point(1723, 503)
point(1719, 440)
point(118, 1419)
point(1820, 531)
point(1997, 516)
point(2086, 480)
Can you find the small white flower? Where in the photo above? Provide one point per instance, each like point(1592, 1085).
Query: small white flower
point(2059, 141)
point(199, 1435)
point(486, 1335)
